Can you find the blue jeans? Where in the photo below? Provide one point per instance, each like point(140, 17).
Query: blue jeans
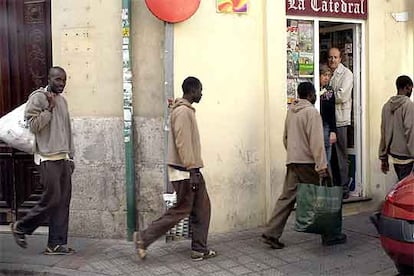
point(328, 146)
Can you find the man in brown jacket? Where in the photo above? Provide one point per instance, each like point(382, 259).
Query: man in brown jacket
point(48, 118)
point(397, 130)
point(306, 162)
point(184, 163)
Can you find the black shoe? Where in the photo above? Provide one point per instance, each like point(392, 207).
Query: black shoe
point(58, 250)
point(274, 243)
point(199, 256)
point(19, 236)
point(339, 239)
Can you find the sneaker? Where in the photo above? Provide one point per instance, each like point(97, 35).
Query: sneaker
point(58, 250)
point(339, 239)
point(139, 246)
point(19, 236)
point(199, 256)
point(274, 243)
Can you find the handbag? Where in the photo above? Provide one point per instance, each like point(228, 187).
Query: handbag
point(319, 207)
point(15, 132)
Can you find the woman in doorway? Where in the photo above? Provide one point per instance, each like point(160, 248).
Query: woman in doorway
point(327, 100)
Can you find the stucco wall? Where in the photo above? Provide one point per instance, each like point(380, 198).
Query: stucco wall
point(226, 53)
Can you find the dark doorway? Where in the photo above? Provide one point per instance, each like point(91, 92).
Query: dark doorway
point(25, 56)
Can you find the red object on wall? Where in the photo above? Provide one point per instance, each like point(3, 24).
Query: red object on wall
point(173, 11)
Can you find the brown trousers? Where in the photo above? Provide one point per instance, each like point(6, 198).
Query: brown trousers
point(189, 202)
point(296, 173)
point(54, 203)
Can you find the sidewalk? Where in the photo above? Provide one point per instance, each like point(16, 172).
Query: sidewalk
point(240, 253)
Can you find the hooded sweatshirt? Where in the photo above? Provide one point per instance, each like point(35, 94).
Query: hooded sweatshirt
point(184, 149)
point(52, 130)
point(397, 129)
point(303, 135)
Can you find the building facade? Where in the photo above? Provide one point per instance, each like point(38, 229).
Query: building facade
point(243, 61)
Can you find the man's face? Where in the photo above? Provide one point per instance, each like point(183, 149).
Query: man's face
point(334, 58)
point(57, 81)
point(197, 94)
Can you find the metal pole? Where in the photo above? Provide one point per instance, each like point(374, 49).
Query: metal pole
point(128, 120)
point(168, 89)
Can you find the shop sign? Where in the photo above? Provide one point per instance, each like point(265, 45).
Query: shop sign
point(355, 9)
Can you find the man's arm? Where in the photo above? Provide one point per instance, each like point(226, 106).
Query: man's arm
point(383, 147)
point(409, 128)
point(37, 113)
point(343, 92)
point(316, 141)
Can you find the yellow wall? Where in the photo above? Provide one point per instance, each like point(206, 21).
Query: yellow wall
point(226, 53)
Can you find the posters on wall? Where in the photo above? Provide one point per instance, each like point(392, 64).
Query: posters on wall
point(300, 55)
point(232, 6)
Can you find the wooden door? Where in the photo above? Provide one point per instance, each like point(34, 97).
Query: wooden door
point(25, 57)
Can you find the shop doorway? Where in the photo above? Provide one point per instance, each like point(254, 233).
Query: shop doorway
point(347, 38)
point(308, 42)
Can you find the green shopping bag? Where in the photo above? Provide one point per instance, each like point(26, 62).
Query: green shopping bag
point(319, 208)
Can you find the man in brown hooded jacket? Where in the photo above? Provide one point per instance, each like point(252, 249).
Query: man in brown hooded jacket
point(305, 163)
point(184, 164)
point(397, 130)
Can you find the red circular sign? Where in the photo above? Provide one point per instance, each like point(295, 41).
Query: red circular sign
point(173, 11)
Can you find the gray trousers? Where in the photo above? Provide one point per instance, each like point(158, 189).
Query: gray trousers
point(54, 203)
point(341, 146)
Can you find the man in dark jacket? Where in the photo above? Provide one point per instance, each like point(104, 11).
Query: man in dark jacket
point(184, 164)
point(48, 118)
point(397, 130)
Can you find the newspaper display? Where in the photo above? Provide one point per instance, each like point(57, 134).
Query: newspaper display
point(300, 55)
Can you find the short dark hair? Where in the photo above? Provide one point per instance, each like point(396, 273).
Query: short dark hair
point(190, 84)
point(403, 81)
point(56, 68)
point(305, 89)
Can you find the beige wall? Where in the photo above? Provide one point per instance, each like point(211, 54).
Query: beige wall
point(226, 53)
point(389, 54)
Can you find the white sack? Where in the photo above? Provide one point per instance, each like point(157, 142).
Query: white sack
point(15, 132)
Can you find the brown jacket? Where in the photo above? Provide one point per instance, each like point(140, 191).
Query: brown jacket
point(52, 130)
point(184, 149)
point(303, 135)
point(397, 128)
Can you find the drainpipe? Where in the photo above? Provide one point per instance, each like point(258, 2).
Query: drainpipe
point(168, 89)
point(128, 119)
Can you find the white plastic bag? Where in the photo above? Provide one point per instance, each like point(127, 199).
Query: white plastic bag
point(15, 132)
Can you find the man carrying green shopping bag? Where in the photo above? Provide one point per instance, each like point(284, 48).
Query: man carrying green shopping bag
point(306, 163)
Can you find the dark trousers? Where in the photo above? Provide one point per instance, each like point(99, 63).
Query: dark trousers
point(403, 170)
point(341, 146)
point(54, 203)
point(189, 202)
point(296, 173)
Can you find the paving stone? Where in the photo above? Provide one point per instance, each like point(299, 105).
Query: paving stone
point(239, 270)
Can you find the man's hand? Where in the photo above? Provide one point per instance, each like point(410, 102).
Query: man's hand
point(323, 173)
point(332, 138)
point(385, 166)
point(195, 179)
point(51, 99)
point(72, 165)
